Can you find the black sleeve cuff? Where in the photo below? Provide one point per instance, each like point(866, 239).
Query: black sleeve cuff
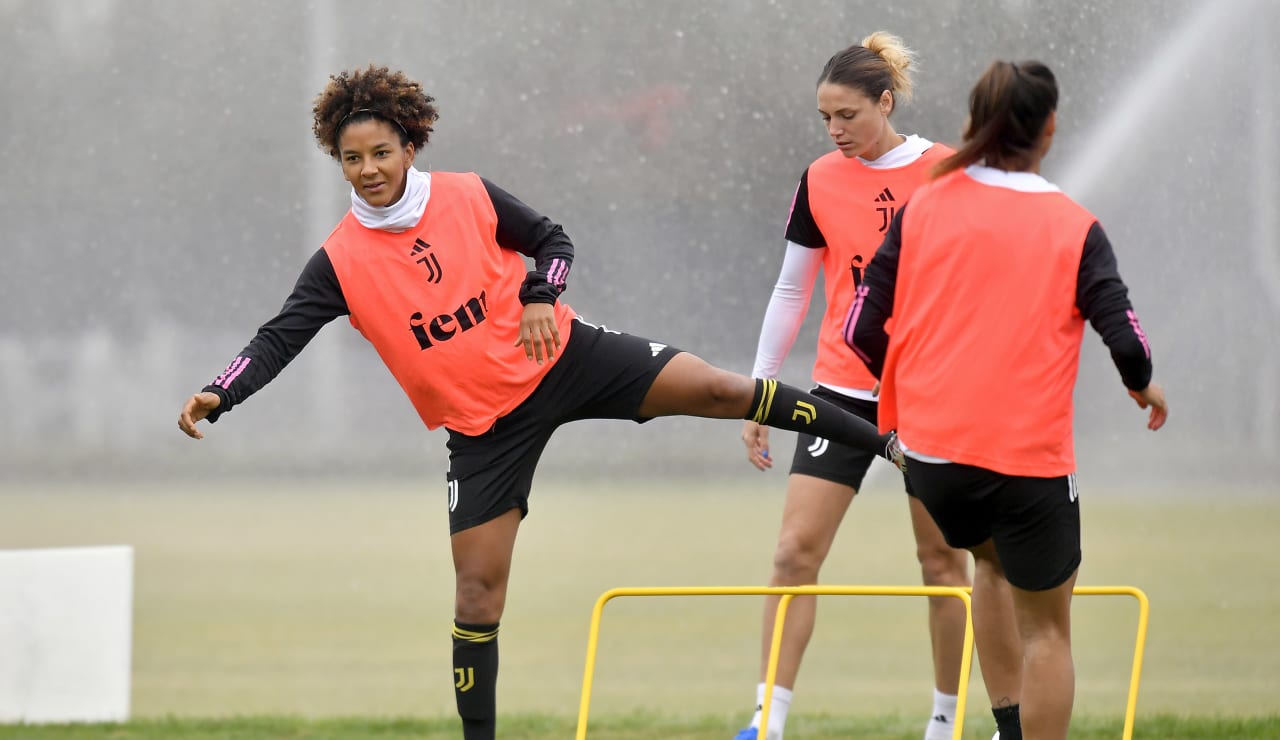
point(536, 289)
point(1135, 373)
point(224, 402)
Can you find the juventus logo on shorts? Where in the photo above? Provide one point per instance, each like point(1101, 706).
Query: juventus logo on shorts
point(453, 495)
point(818, 447)
point(1072, 493)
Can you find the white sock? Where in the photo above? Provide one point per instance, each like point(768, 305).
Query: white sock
point(777, 711)
point(942, 718)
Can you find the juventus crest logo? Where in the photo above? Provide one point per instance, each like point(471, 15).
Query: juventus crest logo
point(887, 210)
point(427, 260)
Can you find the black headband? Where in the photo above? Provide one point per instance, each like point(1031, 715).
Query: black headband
point(379, 114)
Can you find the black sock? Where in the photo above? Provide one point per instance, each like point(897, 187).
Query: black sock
point(475, 678)
point(1008, 722)
point(786, 407)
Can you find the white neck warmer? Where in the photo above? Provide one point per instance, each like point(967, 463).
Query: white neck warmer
point(402, 215)
point(901, 155)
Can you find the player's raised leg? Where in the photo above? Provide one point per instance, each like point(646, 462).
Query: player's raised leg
point(690, 386)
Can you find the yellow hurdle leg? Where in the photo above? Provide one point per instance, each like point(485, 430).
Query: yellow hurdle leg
point(771, 671)
point(1139, 645)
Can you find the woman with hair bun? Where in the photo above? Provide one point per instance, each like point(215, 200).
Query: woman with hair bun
point(989, 275)
point(843, 205)
point(430, 267)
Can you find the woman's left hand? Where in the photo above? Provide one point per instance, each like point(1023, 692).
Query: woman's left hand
point(538, 332)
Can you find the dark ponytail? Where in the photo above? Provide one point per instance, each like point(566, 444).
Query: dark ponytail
point(1008, 109)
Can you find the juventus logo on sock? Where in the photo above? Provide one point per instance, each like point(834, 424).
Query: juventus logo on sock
point(805, 411)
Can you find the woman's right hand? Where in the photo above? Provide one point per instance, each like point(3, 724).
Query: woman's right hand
point(756, 438)
point(196, 408)
point(1153, 396)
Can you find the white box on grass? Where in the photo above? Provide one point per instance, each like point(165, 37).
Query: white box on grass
point(66, 634)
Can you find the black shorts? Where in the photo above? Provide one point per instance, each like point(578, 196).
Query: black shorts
point(1034, 523)
point(822, 458)
point(601, 374)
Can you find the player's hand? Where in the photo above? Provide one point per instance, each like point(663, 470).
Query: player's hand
point(875, 390)
point(893, 452)
point(538, 332)
point(196, 408)
point(756, 438)
point(1152, 396)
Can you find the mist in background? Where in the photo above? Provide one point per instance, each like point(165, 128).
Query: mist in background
point(162, 190)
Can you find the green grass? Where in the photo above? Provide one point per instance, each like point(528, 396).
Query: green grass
point(636, 727)
point(323, 601)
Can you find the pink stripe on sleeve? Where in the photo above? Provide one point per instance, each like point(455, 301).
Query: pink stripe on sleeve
point(852, 320)
point(1137, 329)
point(558, 272)
point(233, 371)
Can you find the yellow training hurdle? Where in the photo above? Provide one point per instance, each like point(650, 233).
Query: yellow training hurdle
point(787, 593)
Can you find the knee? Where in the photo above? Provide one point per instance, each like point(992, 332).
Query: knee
point(1045, 641)
point(479, 599)
point(724, 388)
point(941, 565)
point(719, 393)
point(796, 562)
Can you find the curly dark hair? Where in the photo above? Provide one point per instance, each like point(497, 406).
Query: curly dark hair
point(376, 92)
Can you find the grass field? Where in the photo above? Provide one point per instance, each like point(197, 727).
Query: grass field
point(334, 600)
point(634, 727)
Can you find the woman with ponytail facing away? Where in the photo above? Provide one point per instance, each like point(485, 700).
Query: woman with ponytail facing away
point(989, 275)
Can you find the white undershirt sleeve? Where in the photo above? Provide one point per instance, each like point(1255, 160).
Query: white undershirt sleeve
point(787, 308)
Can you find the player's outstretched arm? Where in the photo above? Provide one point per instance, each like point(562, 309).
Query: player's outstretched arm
point(196, 408)
point(1152, 396)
